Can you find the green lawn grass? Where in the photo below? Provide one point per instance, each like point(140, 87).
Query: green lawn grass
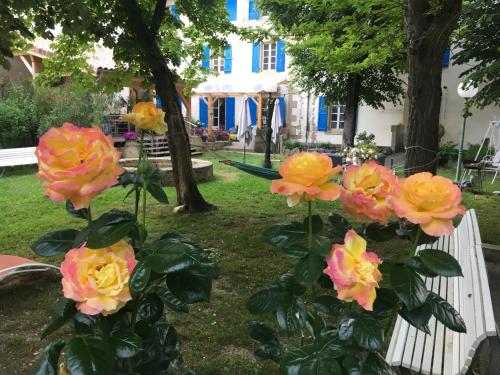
point(214, 335)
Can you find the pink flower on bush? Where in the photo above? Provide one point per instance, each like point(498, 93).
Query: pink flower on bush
point(98, 278)
point(77, 164)
point(307, 176)
point(431, 201)
point(366, 191)
point(353, 271)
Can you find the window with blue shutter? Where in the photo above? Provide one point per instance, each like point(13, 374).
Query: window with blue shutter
point(255, 57)
point(158, 102)
point(282, 110)
point(203, 113)
point(228, 59)
point(205, 63)
point(253, 111)
point(322, 114)
point(173, 11)
point(446, 58)
point(229, 112)
point(280, 56)
point(253, 12)
point(232, 8)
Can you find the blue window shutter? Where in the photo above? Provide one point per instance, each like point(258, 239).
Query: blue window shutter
point(282, 110)
point(322, 114)
point(228, 59)
point(158, 102)
point(205, 63)
point(446, 58)
point(280, 56)
point(173, 11)
point(253, 111)
point(256, 58)
point(229, 112)
point(203, 113)
point(253, 12)
point(232, 7)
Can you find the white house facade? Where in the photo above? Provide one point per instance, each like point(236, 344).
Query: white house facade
point(261, 71)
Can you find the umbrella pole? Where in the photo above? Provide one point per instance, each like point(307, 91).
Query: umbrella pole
point(245, 148)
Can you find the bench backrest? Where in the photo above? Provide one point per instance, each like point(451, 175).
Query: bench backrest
point(10, 157)
point(472, 297)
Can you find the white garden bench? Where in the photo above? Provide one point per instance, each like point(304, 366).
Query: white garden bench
point(445, 352)
point(11, 157)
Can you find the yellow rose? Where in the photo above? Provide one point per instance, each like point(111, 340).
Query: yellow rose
point(431, 201)
point(98, 278)
point(307, 176)
point(146, 116)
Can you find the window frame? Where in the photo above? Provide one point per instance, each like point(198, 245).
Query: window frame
point(217, 108)
point(269, 56)
point(217, 64)
point(338, 110)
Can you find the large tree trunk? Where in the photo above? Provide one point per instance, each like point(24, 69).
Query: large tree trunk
point(429, 28)
point(188, 194)
point(351, 109)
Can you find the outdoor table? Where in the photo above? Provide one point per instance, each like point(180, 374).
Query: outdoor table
point(478, 167)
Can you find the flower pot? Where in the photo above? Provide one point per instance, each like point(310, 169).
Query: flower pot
point(131, 150)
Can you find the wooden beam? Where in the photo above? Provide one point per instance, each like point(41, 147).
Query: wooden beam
point(27, 64)
point(259, 112)
point(210, 113)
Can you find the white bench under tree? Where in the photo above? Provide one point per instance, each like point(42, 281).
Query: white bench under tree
point(12, 157)
point(443, 351)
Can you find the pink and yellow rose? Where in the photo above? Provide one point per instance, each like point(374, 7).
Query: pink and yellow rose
point(98, 278)
point(431, 201)
point(76, 164)
point(307, 176)
point(146, 116)
point(366, 191)
point(354, 271)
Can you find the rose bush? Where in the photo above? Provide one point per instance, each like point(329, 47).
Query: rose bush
point(117, 285)
point(339, 298)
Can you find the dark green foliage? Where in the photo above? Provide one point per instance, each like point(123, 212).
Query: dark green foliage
point(477, 42)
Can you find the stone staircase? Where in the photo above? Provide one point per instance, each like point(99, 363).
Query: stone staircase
point(157, 147)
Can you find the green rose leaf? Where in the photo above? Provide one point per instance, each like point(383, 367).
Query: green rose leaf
point(110, 228)
point(317, 223)
point(126, 178)
point(266, 351)
point(309, 269)
point(151, 309)
point(385, 301)
point(375, 364)
point(380, 233)
point(262, 333)
point(440, 262)
point(285, 234)
point(193, 285)
point(139, 233)
point(367, 333)
point(417, 265)
point(126, 343)
point(54, 243)
point(172, 301)
point(139, 279)
point(173, 255)
point(64, 313)
point(318, 359)
point(408, 286)
point(351, 364)
point(321, 245)
point(157, 192)
point(295, 251)
point(418, 317)
point(339, 227)
point(90, 355)
point(329, 305)
point(82, 213)
point(48, 363)
point(424, 238)
point(446, 314)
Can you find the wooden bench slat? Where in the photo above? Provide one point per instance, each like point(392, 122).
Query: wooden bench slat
point(459, 307)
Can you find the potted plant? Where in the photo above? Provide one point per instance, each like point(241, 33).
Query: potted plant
point(131, 148)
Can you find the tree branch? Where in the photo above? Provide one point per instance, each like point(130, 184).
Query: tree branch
point(158, 15)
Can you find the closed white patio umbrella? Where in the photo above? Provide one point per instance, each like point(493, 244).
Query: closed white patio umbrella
point(276, 121)
point(244, 122)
